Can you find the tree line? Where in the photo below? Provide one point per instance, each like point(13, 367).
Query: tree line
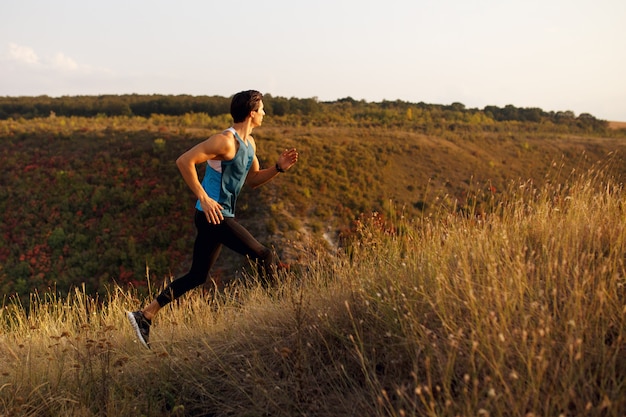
point(347, 109)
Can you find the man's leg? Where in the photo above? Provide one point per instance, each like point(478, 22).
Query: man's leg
point(205, 253)
point(239, 239)
point(206, 249)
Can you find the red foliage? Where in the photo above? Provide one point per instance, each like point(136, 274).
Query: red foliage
point(71, 203)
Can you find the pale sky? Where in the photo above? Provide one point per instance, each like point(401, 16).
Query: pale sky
point(553, 54)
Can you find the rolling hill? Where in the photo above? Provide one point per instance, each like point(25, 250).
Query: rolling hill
point(99, 200)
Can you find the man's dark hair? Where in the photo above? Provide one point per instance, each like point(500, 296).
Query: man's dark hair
point(243, 103)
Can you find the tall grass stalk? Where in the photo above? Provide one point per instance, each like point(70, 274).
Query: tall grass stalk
point(520, 310)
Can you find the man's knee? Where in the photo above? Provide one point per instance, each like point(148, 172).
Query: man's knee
point(267, 262)
point(268, 257)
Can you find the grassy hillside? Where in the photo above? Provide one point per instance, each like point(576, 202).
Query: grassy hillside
point(519, 312)
point(98, 201)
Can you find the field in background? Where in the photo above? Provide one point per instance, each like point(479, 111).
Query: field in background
point(617, 125)
point(99, 202)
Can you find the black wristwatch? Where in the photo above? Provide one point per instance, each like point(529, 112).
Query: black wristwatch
point(278, 168)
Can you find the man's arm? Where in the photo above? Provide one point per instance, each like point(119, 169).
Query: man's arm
point(257, 177)
point(216, 147)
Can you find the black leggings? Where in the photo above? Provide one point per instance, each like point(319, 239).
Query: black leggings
point(207, 248)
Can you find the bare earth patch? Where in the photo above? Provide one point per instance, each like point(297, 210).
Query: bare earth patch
point(617, 125)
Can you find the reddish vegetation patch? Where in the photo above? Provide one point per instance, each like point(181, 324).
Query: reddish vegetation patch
point(617, 125)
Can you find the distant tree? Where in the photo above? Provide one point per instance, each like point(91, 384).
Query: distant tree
point(568, 115)
point(347, 100)
point(510, 112)
point(309, 105)
point(280, 106)
point(456, 106)
point(590, 123)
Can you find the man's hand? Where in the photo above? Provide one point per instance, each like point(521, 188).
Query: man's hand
point(212, 210)
point(288, 158)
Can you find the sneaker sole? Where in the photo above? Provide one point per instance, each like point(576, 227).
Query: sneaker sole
point(133, 323)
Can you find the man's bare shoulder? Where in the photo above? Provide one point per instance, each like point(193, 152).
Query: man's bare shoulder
point(220, 144)
point(221, 139)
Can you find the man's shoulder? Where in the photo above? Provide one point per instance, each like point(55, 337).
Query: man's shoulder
point(224, 138)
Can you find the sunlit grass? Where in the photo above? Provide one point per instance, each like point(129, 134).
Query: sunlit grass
point(517, 310)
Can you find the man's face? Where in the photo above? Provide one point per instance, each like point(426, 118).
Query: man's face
point(257, 115)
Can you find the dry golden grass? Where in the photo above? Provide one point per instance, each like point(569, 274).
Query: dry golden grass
point(519, 310)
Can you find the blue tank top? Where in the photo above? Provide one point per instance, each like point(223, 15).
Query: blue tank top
point(223, 180)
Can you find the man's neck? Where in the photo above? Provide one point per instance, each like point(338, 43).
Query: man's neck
point(243, 128)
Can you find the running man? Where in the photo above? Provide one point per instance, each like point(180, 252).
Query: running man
point(232, 162)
